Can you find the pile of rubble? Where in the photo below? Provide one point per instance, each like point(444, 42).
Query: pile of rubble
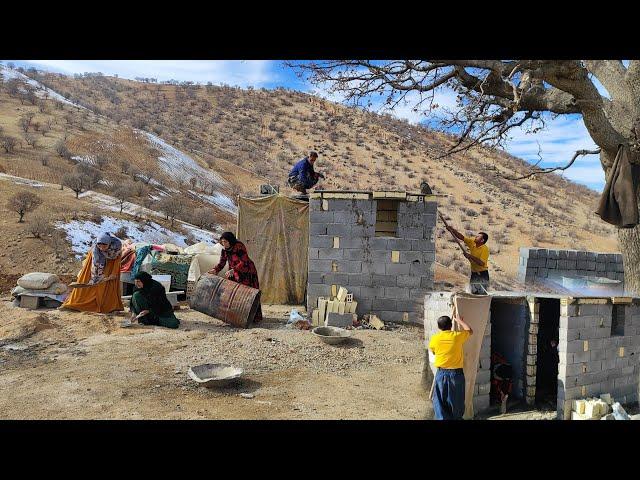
point(603, 408)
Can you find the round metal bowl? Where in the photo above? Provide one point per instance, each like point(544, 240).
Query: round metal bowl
point(331, 335)
point(214, 374)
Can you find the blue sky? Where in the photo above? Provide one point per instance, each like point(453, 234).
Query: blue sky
point(557, 143)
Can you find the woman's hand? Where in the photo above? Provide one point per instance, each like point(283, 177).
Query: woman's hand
point(229, 274)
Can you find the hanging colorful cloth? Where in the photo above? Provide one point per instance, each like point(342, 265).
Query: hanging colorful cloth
point(141, 254)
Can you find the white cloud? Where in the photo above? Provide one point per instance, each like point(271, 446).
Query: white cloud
point(243, 73)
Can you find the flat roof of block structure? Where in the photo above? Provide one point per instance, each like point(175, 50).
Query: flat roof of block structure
point(376, 194)
point(568, 298)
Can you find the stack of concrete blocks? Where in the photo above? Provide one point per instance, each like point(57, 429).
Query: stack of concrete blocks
point(540, 264)
point(437, 304)
point(532, 350)
point(592, 361)
point(387, 276)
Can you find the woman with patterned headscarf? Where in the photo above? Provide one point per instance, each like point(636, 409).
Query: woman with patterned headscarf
point(101, 273)
point(241, 267)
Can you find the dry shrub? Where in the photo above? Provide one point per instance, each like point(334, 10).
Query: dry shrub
point(39, 225)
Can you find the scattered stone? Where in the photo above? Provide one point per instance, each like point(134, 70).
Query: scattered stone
point(247, 395)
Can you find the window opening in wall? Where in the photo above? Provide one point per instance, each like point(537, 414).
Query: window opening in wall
point(617, 321)
point(387, 218)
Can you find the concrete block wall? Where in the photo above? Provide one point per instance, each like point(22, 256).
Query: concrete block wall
point(542, 264)
point(387, 276)
point(531, 352)
point(592, 361)
point(437, 304)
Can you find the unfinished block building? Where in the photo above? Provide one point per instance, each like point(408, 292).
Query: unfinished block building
point(379, 245)
point(598, 346)
point(540, 265)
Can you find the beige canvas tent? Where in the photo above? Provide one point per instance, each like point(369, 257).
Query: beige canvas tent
point(275, 230)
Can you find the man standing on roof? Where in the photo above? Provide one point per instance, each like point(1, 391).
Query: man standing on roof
point(478, 257)
point(302, 176)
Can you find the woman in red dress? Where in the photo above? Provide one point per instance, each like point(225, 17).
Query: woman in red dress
point(241, 267)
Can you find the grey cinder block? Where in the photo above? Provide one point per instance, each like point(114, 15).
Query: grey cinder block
point(384, 304)
point(330, 253)
point(396, 292)
point(397, 269)
point(338, 320)
point(408, 281)
point(338, 230)
point(316, 216)
point(371, 267)
point(320, 265)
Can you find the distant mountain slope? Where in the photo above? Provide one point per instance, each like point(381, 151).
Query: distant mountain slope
point(248, 137)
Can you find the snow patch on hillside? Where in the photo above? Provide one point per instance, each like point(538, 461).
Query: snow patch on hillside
point(88, 159)
point(179, 164)
point(82, 234)
point(219, 200)
point(40, 90)
point(107, 202)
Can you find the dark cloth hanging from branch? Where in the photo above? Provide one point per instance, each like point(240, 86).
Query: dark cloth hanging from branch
point(619, 202)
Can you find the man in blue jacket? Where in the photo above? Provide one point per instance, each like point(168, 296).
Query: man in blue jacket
point(302, 175)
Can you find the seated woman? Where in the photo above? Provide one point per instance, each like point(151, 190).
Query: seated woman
point(241, 267)
point(101, 270)
point(149, 304)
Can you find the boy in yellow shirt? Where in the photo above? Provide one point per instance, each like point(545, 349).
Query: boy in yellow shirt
point(448, 394)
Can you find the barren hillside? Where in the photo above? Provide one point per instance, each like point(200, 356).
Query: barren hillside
point(247, 137)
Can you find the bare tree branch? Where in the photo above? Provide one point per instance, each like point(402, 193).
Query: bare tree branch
point(553, 169)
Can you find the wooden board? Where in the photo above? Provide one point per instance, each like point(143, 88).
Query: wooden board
point(398, 195)
point(621, 300)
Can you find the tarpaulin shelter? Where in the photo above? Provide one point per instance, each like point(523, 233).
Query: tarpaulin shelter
point(275, 230)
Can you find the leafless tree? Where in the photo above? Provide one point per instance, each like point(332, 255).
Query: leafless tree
point(62, 150)
point(31, 140)
point(8, 143)
point(101, 161)
point(75, 181)
point(122, 194)
point(171, 207)
point(24, 122)
point(23, 202)
point(42, 106)
point(40, 225)
point(203, 217)
point(124, 166)
point(44, 159)
point(496, 97)
point(92, 176)
point(58, 242)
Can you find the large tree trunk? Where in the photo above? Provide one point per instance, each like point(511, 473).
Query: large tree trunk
point(628, 240)
point(629, 243)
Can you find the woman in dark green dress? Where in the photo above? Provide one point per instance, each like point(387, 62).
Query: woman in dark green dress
point(149, 303)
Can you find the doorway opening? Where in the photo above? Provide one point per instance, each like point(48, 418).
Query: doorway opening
point(547, 353)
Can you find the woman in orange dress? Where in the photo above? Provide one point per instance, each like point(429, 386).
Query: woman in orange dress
point(101, 270)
